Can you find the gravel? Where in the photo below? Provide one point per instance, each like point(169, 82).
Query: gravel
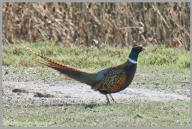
point(73, 92)
point(43, 86)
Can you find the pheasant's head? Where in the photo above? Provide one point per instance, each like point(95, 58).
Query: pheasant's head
point(138, 48)
point(135, 52)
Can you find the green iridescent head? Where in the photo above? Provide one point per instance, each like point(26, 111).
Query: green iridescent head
point(135, 52)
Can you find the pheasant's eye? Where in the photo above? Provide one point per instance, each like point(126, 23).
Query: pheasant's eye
point(139, 49)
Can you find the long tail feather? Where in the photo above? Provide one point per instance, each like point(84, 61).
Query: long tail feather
point(88, 78)
point(52, 62)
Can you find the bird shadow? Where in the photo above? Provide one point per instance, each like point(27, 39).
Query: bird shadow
point(86, 106)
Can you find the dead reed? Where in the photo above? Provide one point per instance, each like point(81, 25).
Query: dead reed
point(98, 23)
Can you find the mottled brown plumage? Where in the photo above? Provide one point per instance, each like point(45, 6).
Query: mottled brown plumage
point(107, 81)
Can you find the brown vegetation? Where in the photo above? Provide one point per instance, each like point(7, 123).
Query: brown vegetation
point(98, 23)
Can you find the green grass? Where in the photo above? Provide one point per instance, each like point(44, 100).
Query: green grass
point(159, 68)
point(151, 114)
point(93, 57)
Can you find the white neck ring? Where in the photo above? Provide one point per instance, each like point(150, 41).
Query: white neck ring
point(132, 61)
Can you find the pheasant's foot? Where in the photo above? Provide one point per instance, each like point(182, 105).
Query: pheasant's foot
point(108, 102)
point(112, 98)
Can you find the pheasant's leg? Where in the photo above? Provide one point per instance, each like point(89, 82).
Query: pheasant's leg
point(108, 102)
point(112, 98)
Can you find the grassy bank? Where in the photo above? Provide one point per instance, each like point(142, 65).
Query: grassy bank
point(94, 57)
point(151, 114)
point(160, 68)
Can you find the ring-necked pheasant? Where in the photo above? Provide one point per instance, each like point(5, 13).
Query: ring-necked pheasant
point(107, 81)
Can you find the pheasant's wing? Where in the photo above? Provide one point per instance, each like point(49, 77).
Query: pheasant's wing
point(112, 80)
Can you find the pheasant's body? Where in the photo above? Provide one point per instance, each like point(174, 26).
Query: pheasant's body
point(115, 79)
point(107, 81)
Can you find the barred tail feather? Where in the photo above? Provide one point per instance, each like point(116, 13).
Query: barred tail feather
point(74, 73)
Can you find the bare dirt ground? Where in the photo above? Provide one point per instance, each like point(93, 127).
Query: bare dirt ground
point(39, 86)
point(73, 92)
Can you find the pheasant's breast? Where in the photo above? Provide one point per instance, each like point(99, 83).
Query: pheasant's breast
point(119, 83)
